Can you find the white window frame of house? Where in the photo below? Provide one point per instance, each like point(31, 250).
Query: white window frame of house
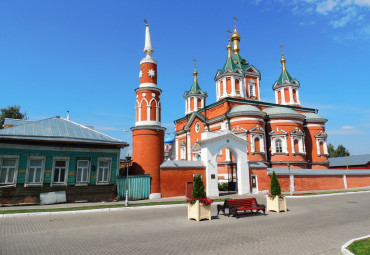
point(78, 182)
point(278, 145)
point(107, 169)
point(15, 174)
point(262, 142)
point(28, 171)
point(66, 160)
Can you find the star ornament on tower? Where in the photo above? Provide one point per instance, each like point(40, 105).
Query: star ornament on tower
point(141, 74)
point(151, 73)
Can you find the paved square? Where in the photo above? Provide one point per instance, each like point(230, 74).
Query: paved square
point(317, 225)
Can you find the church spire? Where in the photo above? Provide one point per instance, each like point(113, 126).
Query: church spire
point(235, 38)
point(282, 60)
point(148, 49)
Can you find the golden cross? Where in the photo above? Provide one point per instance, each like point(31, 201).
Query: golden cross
point(235, 18)
point(195, 63)
point(146, 22)
point(229, 33)
point(282, 52)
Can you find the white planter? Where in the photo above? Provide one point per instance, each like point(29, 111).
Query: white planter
point(277, 204)
point(199, 211)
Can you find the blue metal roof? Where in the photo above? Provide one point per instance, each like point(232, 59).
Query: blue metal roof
point(58, 129)
point(16, 122)
point(355, 160)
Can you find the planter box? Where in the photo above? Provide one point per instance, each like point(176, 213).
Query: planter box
point(277, 204)
point(199, 211)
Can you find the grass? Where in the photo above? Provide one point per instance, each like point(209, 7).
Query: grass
point(360, 247)
point(79, 208)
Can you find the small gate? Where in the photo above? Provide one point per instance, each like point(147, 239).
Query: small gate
point(138, 187)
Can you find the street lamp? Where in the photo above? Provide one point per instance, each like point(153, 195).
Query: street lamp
point(128, 161)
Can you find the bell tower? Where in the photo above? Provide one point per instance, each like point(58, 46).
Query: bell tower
point(148, 134)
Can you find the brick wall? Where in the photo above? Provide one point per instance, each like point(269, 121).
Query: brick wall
point(173, 180)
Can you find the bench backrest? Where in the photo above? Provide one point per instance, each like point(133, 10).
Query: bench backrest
point(250, 202)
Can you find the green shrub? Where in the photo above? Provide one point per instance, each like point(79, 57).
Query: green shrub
point(275, 189)
point(198, 188)
point(223, 186)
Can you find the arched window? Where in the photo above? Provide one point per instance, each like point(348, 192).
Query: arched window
point(257, 145)
point(321, 144)
point(295, 96)
point(252, 92)
point(182, 151)
point(278, 146)
point(296, 146)
point(279, 96)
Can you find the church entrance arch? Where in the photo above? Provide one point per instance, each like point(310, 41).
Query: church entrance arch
point(211, 144)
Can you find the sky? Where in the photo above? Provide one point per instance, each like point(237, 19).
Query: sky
point(83, 56)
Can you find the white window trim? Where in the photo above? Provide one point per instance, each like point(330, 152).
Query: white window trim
point(109, 171)
point(65, 174)
point(251, 86)
point(43, 158)
point(325, 146)
point(301, 146)
point(182, 151)
point(283, 144)
point(16, 157)
point(88, 173)
point(262, 142)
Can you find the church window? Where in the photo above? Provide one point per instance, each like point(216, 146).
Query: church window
point(279, 96)
point(197, 127)
point(251, 90)
point(257, 145)
point(278, 146)
point(295, 96)
point(182, 151)
point(296, 146)
point(321, 145)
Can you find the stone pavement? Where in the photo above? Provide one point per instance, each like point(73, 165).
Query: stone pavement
point(318, 225)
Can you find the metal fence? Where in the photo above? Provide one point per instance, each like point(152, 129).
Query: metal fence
point(138, 187)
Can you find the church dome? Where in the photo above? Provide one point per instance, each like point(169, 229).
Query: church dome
point(245, 109)
point(282, 112)
point(314, 117)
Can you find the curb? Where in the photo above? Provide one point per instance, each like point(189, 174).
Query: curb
point(344, 249)
point(328, 195)
point(89, 210)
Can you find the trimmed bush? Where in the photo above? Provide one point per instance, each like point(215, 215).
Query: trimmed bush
point(198, 188)
point(223, 186)
point(275, 189)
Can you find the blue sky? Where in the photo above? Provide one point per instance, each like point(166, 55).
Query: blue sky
point(83, 56)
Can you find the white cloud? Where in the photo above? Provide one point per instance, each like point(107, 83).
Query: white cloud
point(326, 6)
point(348, 127)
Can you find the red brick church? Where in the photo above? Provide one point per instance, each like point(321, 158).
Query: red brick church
point(238, 138)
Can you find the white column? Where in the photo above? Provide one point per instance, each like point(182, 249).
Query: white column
point(195, 100)
point(258, 86)
point(276, 97)
point(297, 95)
point(177, 148)
point(345, 181)
point(233, 86)
point(290, 95)
point(148, 112)
point(202, 102)
point(241, 85)
point(218, 92)
point(282, 96)
point(291, 180)
point(157, 113)
point(227, 155)
point(224, 93)
point(186, 106)
point(139, 109)
point(188, 145)
point(189, 105)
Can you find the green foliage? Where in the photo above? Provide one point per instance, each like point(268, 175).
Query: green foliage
point(360, 247)
point(275, 185)
point(198, 188)
point(12, 112)
point(223, 186)
point(340, 151)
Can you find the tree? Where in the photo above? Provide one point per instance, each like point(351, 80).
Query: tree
point(340, 151)
point(12, 112)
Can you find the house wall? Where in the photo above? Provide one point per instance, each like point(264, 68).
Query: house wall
point(174, 180)
point(92, 191)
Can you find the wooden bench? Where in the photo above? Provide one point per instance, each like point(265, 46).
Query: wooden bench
point(245, 204)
